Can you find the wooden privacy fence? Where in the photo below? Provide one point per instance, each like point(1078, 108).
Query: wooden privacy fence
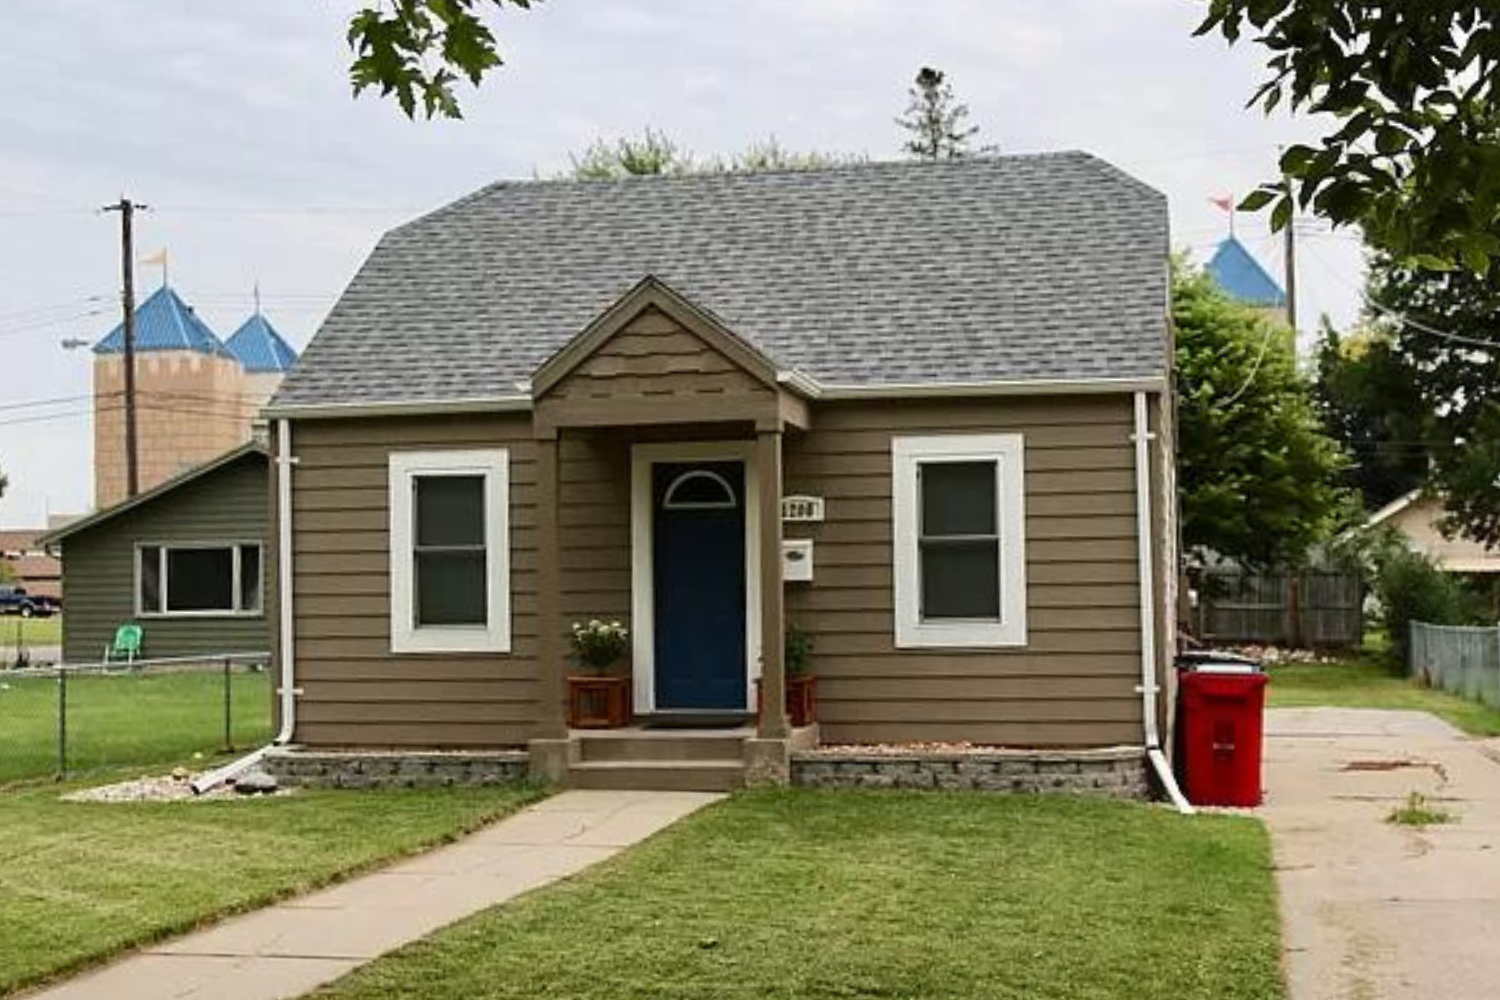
point(1316, 608)
point(1461, 661)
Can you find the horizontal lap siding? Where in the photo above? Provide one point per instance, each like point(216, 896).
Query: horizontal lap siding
point(355, 691)
point(654, 357)
point(1074, 683)
point(228, 504)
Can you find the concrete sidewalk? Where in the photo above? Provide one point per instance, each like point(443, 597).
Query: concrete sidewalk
point(1374, 911)
point(289, 949)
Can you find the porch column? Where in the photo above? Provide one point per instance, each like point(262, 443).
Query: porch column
point(773, 722)
point(551, 659)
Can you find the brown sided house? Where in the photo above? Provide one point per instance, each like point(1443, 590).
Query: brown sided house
point(941, 387)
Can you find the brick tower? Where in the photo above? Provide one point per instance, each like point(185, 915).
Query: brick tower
point(193, 400)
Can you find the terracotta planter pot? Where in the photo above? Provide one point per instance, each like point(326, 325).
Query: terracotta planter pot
point(801, 699)
point(599, 701)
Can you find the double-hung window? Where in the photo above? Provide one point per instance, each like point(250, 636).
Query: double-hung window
point(198, 578)
point(450, 551)
point(959, 524)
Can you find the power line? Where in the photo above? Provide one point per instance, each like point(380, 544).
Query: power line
point(146, 406)
point(1400, 317)
point(32, 312)
point(42, 324)
point(34, 403)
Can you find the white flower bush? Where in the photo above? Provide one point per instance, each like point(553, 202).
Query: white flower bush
point(599, 644)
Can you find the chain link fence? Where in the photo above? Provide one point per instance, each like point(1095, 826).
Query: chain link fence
point(1460, 660)
point(72, 719)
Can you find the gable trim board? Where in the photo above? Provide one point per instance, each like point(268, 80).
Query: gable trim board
point(52, 538)
point(651, 293)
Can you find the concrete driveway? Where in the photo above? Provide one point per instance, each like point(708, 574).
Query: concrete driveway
point(1374, 911)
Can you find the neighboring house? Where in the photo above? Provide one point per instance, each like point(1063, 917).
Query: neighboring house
point(196, 396)
point(551, 401)
point(31, 566)
point(185, 560)
point(1417, 517)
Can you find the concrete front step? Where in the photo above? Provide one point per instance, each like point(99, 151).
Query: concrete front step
point(606, 746)
point(658, 775)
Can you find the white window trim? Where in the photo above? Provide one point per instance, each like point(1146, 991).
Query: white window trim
point(234, 545)
point(494, 636)
point(907, 453)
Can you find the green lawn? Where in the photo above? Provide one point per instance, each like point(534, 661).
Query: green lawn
point(1370, 684)
point(126, 719)
point(33, 631)
point(82, 881)
point(938, 896)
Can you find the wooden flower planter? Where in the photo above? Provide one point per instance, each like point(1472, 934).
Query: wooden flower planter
point(599, 702)
point(801, 699)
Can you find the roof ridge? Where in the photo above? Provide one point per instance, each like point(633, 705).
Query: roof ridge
point(725, 176)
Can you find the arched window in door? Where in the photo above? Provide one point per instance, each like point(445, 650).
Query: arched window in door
point(699, 489)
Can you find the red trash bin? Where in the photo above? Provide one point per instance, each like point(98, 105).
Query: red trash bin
point(1222, 729)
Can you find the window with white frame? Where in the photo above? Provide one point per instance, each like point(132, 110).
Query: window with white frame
point(960, 548)
point(450, 551)
point(198, 578)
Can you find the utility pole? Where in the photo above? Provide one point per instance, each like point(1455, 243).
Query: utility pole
point(127, 209)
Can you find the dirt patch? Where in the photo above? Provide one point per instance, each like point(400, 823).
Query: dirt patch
point(1397, 765)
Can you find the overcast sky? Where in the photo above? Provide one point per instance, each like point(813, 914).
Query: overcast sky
point(234, 122)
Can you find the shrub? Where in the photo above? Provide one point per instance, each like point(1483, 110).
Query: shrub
point(799, 647)
point(1410, 587)
point(599, 644)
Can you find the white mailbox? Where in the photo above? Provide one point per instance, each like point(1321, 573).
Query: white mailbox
point(797, 560)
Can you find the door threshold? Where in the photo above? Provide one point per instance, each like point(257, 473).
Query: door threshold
point(694, 719)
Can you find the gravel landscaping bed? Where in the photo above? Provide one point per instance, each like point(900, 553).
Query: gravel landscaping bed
point(173, 787)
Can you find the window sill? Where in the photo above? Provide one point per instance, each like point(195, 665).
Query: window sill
point(961, 635)
point(157, 616)
point(449, 640)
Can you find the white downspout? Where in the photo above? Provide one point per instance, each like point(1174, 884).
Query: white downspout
point(287, 680)
point(1147, 580)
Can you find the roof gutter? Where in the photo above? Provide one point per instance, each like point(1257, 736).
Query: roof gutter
point(286, 652)
point(798, 381)
point(999, 387)
point(399, 408)
point(1146, 568)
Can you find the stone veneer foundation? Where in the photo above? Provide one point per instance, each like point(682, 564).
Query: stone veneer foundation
point(297, 767)
point(1116, 772)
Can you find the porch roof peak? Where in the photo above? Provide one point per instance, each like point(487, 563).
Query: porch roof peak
point(651, 292)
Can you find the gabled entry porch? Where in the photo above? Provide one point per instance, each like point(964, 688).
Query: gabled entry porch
point(658, 415)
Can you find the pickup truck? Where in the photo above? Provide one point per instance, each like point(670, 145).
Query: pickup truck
point(15, 601)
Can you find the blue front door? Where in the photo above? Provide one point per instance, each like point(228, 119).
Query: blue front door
point(698, 558)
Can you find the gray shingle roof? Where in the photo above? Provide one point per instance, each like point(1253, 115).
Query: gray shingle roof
point(1006, 268)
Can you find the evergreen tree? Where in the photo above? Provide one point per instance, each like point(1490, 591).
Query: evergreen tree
point(935, 119)
point(1259, 474)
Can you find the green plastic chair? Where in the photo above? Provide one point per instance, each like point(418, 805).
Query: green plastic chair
point(127, 644)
